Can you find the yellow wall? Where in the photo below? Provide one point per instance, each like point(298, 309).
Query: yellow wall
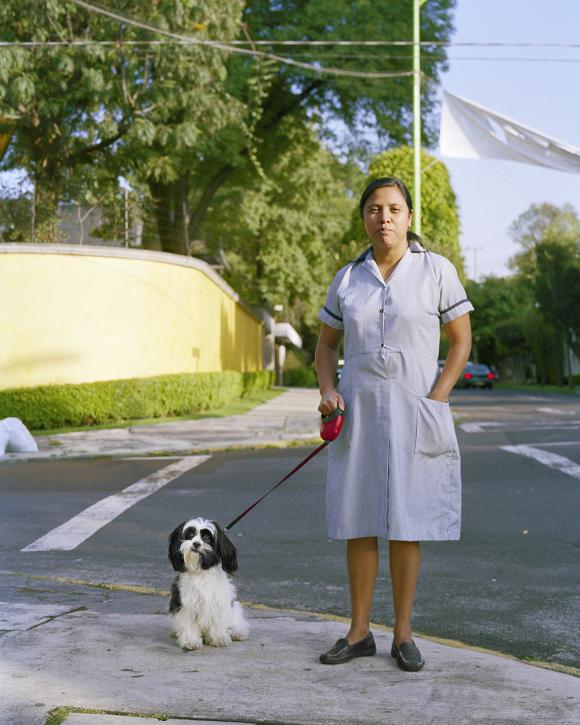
point(81, 314)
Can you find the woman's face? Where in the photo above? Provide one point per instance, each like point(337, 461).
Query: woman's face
point(387, 218)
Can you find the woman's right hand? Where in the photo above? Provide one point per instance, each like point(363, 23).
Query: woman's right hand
point(329, 401)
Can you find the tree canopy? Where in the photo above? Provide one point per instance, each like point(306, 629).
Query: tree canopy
point(532, 320)
point(181, 120)
point(73, 107)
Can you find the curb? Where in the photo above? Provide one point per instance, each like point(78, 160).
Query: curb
point(326, 616)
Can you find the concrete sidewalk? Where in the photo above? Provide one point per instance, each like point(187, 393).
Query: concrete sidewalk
point(127, 664)
point(290, 416)
point(110, 667)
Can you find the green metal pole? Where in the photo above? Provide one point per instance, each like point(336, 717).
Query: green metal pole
point(417, 113)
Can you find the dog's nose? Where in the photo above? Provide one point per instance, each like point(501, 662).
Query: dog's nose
point(196, 545)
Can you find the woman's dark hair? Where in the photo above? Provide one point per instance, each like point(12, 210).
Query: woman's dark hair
point(377, 184)
point(388, 181)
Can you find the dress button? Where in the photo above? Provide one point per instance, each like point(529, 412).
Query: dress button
point(381, 310)
point(382, 345)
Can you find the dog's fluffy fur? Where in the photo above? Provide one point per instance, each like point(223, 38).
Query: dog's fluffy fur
point(203, 605)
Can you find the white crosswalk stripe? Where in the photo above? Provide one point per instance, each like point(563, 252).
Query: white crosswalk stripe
point(556, 411)
point(76, 530)
point(552, 460)
point(520, 426)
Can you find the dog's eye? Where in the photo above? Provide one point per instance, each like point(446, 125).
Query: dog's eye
point(207, 537)
point(189, 534)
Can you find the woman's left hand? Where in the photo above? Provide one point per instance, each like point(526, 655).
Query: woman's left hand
point(438, 398)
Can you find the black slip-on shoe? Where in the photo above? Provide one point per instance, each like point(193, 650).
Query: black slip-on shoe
point(343, 651)
point(408, 656)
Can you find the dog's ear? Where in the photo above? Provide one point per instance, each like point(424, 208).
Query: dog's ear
point(175, 555)
point(226, 551)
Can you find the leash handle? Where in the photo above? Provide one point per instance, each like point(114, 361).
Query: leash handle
point(331, 425)
point(292, 472)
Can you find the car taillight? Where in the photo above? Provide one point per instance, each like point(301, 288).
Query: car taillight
point(466, 376)
point(490, 376)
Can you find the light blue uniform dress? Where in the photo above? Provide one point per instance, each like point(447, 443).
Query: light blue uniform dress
point(394, 471)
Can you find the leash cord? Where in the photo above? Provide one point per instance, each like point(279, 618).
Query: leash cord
point(292, 472)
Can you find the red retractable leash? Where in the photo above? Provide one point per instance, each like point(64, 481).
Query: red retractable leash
point(330, 427)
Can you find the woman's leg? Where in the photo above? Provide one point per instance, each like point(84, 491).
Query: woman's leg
point(404, 564)
point(362, 557)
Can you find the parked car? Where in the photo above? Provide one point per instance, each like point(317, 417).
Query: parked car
point(476, 375)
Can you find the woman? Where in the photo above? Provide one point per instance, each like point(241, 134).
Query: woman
point(394, 471)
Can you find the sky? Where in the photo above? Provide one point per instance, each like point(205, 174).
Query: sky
point(543, 95)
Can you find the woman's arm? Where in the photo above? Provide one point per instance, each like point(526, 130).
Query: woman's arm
point(459, 335)
point(326, 358)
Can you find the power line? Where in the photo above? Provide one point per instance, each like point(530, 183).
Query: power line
point(234, 49)
point(138, 44)
point(186, 40)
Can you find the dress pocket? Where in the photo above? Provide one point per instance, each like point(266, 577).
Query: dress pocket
point(435, 434)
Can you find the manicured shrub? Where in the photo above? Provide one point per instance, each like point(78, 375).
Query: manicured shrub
point(304, 377)
point(113, 401)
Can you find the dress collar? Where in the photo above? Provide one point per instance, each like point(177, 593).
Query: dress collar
point(414, 247)
point(367, 262)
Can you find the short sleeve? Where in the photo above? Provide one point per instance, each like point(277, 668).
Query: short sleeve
point(453, 302)
point(330, 314)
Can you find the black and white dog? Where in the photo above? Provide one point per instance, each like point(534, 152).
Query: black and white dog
point(203, 605)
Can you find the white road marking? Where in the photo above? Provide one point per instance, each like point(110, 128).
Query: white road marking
point(552, 460)
point(520, 426)
point(525, 396)
point(556, 411)
point(76, 530)
point(482, 426)
point(152, 458)
point(559, 443)
point(471, 428)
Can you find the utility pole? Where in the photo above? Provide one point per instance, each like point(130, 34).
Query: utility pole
point(126, 217)
point(417, 112)
point(475, 250)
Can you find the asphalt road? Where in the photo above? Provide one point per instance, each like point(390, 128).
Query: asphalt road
point(511, 584)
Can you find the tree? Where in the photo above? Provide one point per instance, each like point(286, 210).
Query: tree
point(73, 107)
point(501, 323)
point(301, 95)
point(557, 290)
point(542, 223)
point(549, 263)
point(181, 122)
point(439, 204)
point(282, 232)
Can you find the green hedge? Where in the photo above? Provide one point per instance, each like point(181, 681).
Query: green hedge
point(304, 377)
point(113, 401)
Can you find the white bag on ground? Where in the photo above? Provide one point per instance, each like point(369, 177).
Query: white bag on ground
point(3, 441)
point(19, 438)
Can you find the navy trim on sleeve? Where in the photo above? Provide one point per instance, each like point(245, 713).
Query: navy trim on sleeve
point(336, 317)
point(452, 306)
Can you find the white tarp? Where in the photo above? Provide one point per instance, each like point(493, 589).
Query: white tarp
point(15, 437)
point(470, 131)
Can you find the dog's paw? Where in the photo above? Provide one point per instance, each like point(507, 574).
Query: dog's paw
point(240, 635)
point(218, 640)
point(188, 645)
